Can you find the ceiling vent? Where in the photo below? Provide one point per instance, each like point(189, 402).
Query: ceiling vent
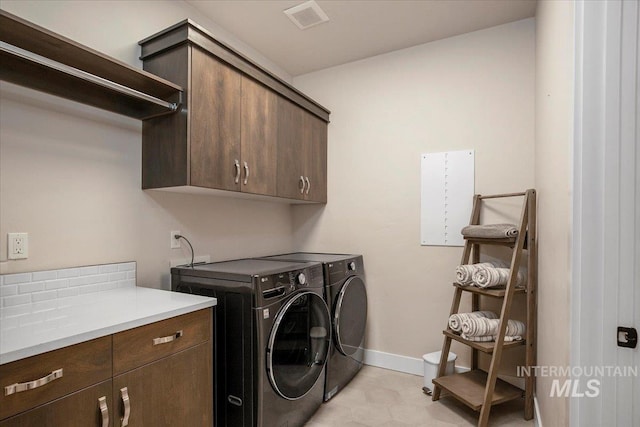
point(306, 15)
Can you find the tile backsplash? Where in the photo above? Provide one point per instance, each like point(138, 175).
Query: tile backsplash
point(39, 286)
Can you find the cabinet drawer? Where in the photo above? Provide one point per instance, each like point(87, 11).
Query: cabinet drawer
point(139, 346)
point(82, 365)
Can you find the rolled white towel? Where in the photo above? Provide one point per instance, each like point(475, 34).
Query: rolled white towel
point(488, 277)
point(456, 320)
point(481, 326)
point(464, 272)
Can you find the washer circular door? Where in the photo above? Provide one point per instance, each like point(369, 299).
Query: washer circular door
point(299, 345)
point(350, 316)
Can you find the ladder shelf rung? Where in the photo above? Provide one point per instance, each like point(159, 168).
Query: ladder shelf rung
point(506, 241)
point(485, 347)
point(469, 388)
point(489, 292)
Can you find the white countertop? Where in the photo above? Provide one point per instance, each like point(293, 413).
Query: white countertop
point(85, 317)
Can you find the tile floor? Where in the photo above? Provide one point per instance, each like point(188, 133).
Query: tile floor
point(380, 397)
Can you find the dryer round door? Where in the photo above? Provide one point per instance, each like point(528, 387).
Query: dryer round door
point(350, 316)
point(299, 345)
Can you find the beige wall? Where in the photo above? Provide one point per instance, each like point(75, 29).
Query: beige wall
point(114, 27)
point(554, 138)
point(475, 91)
point(70, 174)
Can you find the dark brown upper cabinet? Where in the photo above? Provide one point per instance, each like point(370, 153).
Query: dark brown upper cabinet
point(242, 129)
point(259, 137)
point(215, 123)
point(302, 154)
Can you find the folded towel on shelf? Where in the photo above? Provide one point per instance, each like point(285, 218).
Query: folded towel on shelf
point(464, 272)
point(488, 277)
point(490, 231)
point(456, 320)
point(478, 339)
point(482, 326)
point(487, 338)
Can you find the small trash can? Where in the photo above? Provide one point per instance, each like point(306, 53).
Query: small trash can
point(431, 363)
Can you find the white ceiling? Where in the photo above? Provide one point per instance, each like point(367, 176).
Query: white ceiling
point(357, 28)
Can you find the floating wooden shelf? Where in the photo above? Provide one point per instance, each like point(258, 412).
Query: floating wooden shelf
point(37, 58)
point(469, 388)
point(485, 347)
point(489, 292)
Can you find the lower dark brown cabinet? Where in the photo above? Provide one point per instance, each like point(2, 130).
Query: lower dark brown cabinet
point(156, 375)
point(174, 391)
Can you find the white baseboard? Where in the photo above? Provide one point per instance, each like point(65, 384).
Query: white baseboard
point(397, 362)
point(536, 416)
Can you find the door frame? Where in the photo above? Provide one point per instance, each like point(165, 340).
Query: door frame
point(597, 173)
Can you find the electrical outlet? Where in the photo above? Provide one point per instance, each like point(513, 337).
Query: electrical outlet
point(175, 243)
point(18, 245)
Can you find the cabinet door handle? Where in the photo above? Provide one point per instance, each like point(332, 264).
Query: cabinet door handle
point(308, 185)
point(301, 185)
point(19, 387)
point(246, 173)
point(124, 395)
point(169, 338)
point(237, 163)
point(104, 411)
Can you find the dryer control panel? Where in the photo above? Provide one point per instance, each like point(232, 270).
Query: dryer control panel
point(276, 286)
point(341, 269)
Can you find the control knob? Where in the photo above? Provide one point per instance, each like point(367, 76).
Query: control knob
point(352, 266)
point(302, 279)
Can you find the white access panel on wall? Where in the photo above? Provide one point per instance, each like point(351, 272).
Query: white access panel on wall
point(446, 196)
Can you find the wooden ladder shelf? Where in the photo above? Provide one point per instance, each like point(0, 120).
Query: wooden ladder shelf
point(479, 389)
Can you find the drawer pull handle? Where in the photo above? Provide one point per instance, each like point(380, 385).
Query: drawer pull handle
point(237, 165)
point(104, 411)
point(246, 173)
point(302, 185)
point(124, 395)
point(308, 185)
point(18, 387)
point(164, 340)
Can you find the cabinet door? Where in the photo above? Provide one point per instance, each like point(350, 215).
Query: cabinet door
point(259, 138)
point(214, 123)
point(174, 391)
point(291, 150)
point(80, 409)
point(315, 141)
